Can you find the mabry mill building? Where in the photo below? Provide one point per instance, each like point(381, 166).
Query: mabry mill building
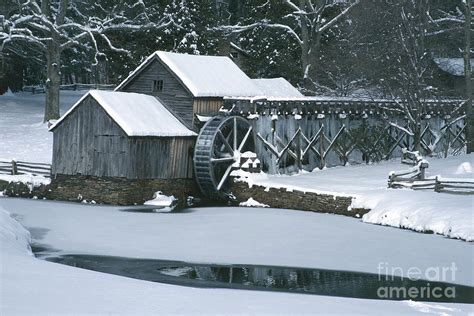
point(191, 85)
point(120, 147)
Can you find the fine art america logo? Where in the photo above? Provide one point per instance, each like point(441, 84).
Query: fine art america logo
point(416, 283)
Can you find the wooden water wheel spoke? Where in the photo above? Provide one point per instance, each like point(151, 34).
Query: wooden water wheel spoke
point(244, 141)
point(224, 177)
point(223, 160)
point(234, 134)
point(225, 142)
point(218, 151)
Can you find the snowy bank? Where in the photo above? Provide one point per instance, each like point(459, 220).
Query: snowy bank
point(14, 238)
point(447, 214)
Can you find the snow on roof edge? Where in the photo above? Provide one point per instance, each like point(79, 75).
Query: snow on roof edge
point(116, 118)
point(75, 105)
point(175, 70)
point(126, 128)
point(167, 59)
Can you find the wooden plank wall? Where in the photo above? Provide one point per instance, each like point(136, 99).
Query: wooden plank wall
point(89, 142)
point(207, 107)
point(174, 94)
point(161, 158)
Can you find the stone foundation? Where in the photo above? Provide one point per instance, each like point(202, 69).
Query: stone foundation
point(118, 191)
point(298, 200)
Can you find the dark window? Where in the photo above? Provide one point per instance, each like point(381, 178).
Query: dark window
point(157, 85)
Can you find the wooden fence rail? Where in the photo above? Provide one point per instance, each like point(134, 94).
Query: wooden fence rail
point(73, 86)
point(460, 186)
point(21, 167)
point(414, 178)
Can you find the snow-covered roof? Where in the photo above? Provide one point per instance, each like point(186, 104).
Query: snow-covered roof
point(277, 88)
point(137, 114)
point(204, 76)
point(453, 66)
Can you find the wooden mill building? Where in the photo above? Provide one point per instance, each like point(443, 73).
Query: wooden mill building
point(117, 135)
point(120, 147)
point(192, 85)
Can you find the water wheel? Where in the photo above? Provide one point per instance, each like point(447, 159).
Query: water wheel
point(218, 151)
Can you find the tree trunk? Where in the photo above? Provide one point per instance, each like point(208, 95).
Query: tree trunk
point(53, 81)
point(417, 138)
point(468, 77)
point(310, 61)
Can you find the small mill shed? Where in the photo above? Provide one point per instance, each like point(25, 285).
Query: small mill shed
point(117, 136)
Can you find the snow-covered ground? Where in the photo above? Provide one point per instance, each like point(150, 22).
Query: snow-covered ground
point(32, 286)
point(451, 215)
point(222, 235)
point(24, 135)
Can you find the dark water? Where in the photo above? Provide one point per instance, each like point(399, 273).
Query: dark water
point(271, 278)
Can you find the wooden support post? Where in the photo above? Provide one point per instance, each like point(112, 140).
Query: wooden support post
point(298, 150)
point(391, 179)
point(437, 186)
point(423, 166)
point(14, 168)
point(322, 162)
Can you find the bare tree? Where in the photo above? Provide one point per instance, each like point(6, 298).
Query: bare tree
point(409, 66)
point(460, 21)
point(468, 31)
point(305, 21)
point(53, 26)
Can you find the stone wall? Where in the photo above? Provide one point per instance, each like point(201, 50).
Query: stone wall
point(20, 189)
point(121, 191)
point(298, 200)
point(118, 191)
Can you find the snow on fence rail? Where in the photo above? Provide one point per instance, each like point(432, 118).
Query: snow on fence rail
point(74, 86)
point(414, 178)
point(21, 167)
point(460, 186)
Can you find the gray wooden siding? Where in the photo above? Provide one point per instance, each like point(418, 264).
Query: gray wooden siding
point(174, 94)
point(89, 142)
point(166, 158)
point(207, 107)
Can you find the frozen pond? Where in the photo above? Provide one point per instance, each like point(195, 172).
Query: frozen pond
point(216, 252)
point(233, 235)
point(269, 278)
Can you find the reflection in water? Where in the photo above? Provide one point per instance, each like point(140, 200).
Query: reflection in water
point(268, 278)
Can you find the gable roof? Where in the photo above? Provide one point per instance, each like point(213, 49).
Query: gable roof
point(453, 66)
point(277, 88)
point(203, 76)
point(136, 114)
